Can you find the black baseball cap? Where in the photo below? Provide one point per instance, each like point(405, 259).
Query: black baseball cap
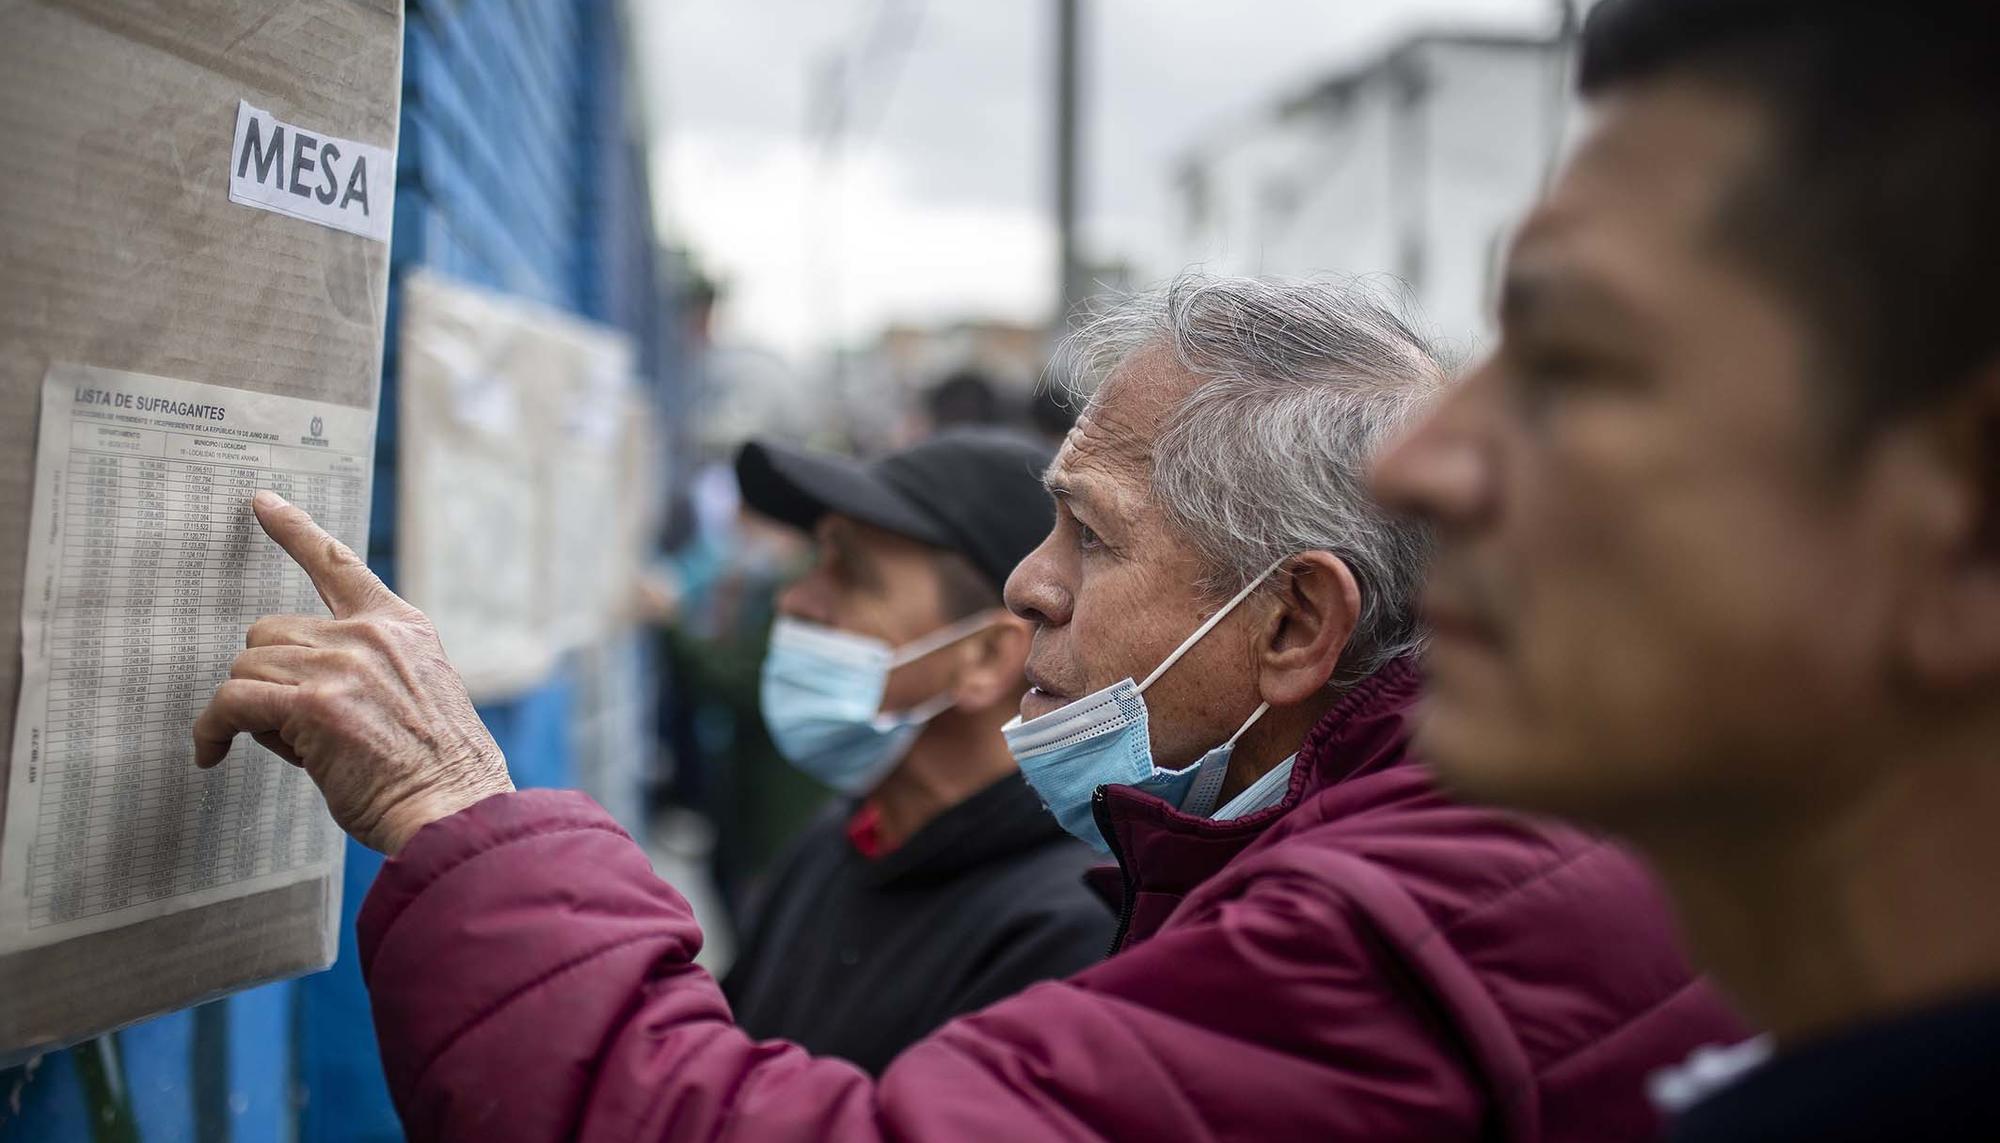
point(974, 491)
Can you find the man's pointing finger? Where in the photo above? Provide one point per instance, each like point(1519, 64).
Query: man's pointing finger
point(341, 577)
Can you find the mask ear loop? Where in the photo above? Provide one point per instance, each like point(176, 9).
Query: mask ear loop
point(1252, 721)
point(923, 712)
point(936, 641)
point(1209, 625)
point(1207, 789)
point(943, 637)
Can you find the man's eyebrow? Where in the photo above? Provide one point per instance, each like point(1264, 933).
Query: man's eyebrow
point(1063, 486)
point(1530, 295)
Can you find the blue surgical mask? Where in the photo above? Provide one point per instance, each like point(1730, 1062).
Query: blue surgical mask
point(822, 697)
point(1103, 739)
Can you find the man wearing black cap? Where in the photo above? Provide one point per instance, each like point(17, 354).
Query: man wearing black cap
point(941, 884)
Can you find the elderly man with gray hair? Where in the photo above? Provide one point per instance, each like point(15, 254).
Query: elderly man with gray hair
point(1314, 942)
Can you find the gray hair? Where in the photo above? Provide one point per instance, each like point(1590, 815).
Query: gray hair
point(1303, 383)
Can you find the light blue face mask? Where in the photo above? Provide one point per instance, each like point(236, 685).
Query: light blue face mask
point(1103, 739)
point(822, 697)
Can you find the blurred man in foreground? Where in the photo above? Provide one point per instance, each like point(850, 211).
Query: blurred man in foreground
point(1721, 533)
point(939, 885)
point(1315, 944)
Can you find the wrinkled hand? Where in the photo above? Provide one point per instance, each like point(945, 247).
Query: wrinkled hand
point(365, 701)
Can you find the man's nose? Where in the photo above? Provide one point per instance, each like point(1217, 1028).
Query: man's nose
point(1438, 470)
point(1034, 590)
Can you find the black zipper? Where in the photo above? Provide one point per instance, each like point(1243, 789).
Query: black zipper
point(1100, 809)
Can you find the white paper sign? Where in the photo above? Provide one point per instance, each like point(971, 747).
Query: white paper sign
point(145, 568)
point(286, 168)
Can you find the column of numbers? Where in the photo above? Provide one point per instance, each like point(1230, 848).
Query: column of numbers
point(181, 691)
point(77, 700)
point(126, 769)
point(228, 550)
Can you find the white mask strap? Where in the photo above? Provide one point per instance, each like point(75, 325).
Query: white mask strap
point(1207, 788)
point(1254, 716)
point(943, 637)
point(923, 712)
point(1209, 625)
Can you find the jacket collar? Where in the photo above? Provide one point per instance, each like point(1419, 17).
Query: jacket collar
point(998, 822)
point(1363, 734)
point(1161, 849)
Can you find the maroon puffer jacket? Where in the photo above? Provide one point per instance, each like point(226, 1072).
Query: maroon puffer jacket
point(1374, 963)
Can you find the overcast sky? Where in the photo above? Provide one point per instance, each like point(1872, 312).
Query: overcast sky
point(937, 205)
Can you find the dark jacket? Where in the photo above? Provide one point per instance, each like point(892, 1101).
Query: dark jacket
point(1922, 1077)
point(1378, 964)
point(858, 958)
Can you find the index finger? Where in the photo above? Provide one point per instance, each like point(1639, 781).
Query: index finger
point(341, 577)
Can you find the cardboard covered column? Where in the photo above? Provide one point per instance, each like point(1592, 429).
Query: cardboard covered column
point(194, 214)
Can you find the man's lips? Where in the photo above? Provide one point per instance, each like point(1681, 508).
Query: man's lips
point(1043, 696)
point(1039, 685)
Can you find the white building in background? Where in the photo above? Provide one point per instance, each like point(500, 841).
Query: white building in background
point(1416, 164)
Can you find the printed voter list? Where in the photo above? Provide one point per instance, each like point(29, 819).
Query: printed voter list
point(145, 568)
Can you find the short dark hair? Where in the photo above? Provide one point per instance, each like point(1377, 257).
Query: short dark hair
point(1878, 208)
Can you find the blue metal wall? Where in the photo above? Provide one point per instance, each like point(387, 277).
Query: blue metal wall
point(222, 1072)
point(516, 172)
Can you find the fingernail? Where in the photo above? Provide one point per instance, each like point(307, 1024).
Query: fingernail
point(268, 499)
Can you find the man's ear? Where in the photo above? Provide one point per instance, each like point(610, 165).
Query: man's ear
point(1943, 473)
point(1309, 619)
point(991, 665)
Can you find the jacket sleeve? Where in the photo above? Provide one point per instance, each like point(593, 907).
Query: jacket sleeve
point(532, 980)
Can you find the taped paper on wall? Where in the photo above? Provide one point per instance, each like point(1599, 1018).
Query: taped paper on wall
point(587, 402)
point(468, 504)
point(145, 568)
point(513, 503)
